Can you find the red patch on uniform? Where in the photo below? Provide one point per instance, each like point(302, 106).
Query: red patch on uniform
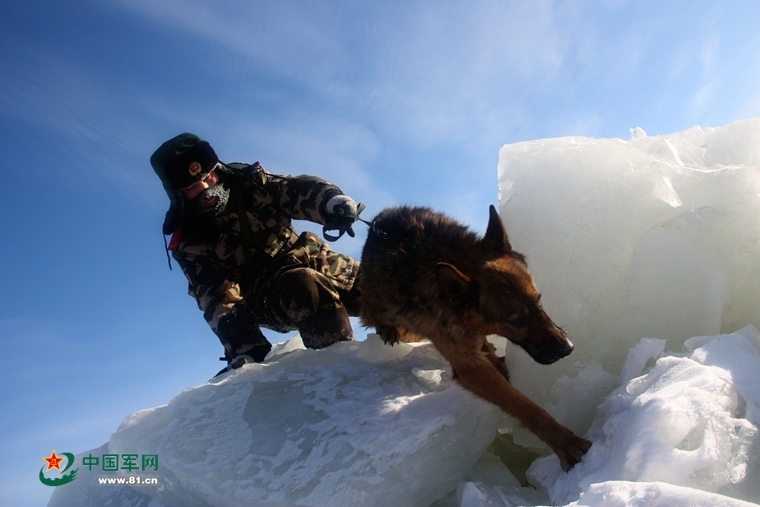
point(174, 243)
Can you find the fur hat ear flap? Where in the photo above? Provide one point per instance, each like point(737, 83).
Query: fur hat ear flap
point(495, 239)
point(455, 284)
point(174, 215)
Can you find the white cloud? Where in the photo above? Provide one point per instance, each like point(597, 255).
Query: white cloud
point(427, 75)
point(289, 38)
point(445, 73)
point(46, 91)
point(471, 74)
point(711, 77)
point(428, 72)
point(98, 134)
point(335, 150)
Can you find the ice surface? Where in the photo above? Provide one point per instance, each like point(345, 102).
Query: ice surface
point(358, 423)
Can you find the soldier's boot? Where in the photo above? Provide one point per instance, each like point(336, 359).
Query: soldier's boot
point(327, 326)
point(234, 363)
point(243, 342)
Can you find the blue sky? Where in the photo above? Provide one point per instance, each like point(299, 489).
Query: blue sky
point(395, 102)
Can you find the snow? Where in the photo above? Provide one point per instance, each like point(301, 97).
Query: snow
point(647, 252)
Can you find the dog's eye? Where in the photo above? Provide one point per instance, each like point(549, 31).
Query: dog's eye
point(518, 321)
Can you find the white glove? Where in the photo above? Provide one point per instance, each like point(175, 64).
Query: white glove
point(341, 205)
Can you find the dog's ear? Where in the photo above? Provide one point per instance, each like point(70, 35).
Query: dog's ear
point(455, 284)
point(495, 239)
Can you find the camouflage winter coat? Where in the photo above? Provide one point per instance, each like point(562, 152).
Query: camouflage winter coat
point(223, 271)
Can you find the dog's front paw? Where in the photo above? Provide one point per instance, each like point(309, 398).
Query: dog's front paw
point(572, 450)
point(390, 335)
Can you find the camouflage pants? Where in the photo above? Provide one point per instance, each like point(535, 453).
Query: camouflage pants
point(310, 289)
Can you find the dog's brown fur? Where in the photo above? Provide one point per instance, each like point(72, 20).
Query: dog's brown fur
point(425, 275)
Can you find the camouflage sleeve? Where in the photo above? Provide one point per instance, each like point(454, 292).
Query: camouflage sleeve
point(217, 297)
point(304, 197)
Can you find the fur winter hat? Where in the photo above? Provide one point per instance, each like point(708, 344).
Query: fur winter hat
point(180, 163)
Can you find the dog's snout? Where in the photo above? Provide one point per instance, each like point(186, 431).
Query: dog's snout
point(561, 344)
point(549, 349)
point(566, 347)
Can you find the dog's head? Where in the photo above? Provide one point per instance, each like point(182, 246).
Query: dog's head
point(500, 297)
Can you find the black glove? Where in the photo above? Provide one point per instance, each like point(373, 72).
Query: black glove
point(342, 212)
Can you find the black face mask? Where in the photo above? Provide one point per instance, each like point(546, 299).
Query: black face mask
point(210, 203)
point(206, 222)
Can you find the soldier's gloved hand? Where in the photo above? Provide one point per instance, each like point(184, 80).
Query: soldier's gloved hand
point(342, 205)
point(342, 212)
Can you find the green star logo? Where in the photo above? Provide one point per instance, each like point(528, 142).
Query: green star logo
point(54, 461)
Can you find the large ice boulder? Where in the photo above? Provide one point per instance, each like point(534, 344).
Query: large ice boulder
point(654, 236)
point(651, 236)
point(358, 423)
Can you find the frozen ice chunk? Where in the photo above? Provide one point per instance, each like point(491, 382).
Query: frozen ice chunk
point(638, 357)
point(690, 421)
point(358, 423)
point(637, 133)
point(656, 236)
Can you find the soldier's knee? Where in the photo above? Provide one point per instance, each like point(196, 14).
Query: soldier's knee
point(303, 292)
point(328, 326)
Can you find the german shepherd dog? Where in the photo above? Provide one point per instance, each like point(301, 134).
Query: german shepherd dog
point(424, 275)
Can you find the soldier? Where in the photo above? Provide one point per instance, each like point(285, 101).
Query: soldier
point(246, 265)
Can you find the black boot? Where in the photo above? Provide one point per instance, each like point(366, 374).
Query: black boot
point(235, 363)
point(248, 353)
